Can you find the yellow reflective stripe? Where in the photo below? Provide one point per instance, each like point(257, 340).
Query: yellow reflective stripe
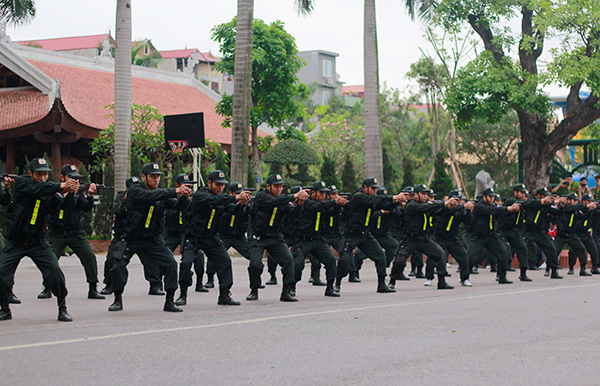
point(180, 219)
point(331, 221)
point(273, 216)
point(536, 217)
point(149, 216)
point(431, 221)
point(491, 224)
point(368, 217)
point(571, 222)
point(232, 220)
point(35, 212)
point(424, 222)
point(378, 222)
point(318, 221)
point(585, 223)
point(518, 217)
point(449, 224)
point(210, 220)
point(60, 214)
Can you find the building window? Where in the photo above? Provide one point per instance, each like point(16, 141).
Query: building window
point(326, 97)
point(146, 49)
point(327, 68)
point(214, 83)
point(180, 64)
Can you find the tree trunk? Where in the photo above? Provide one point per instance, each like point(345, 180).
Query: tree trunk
point(242, 87)
point(373, 157)
point(122, 94)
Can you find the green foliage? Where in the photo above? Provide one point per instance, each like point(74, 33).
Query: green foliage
point(494, 147)
point(389, 173)
point(276, 90)
point(408, 179)
point(17, 12)
point(177, 169)
point(290, 133)
point(251, 181)
point(103, 219)
point(442, 183)
point(349, 181)
point(292, 152)
point(328, 171)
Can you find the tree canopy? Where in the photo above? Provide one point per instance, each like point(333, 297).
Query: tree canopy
point(292, 152)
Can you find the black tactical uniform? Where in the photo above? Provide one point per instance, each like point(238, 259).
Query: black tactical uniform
point(566, 224)
point(33, 202)
point(511, 229)
point(66, 230)
point(143, 234)
point(594, 222)
point(5, 199)
point(309, 237)
point(537, 219)
point(417, 216)
point(332, 229)
point(446, 235)
point(151, 272)
point(202, 233)
point(357, 233)
point(267, 225)
point(485, 236)
point(582, 230)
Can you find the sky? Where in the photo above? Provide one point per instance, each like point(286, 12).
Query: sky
point(335, 25)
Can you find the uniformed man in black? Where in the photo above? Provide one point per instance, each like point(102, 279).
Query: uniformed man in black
point(5, 199)
point(583, 229)
point(485, 237)
point(151, 272)
point(417, 215)
point(34, 199)
point(399, 232)
point(363, 203)
point(235, 221)
point(66, 231)
point(175, 228)
point(538, 210)
point(270, 210)
point(511, 229)
point(380, 226)
point(309, 238)
point(566, 224)
point(446, 234)
point(208, 205)
point(146, 204)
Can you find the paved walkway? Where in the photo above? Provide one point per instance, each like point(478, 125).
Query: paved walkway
point(540, 333)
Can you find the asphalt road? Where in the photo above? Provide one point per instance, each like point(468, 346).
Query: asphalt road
point(540, 333)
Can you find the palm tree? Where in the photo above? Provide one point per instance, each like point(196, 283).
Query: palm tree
point(17, 12)
point(373, 157)
point(122, 93)
point(242, 84)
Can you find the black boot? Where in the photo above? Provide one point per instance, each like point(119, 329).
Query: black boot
point(253, 295)
point(595, 270)
point(117, 303)
point(413, 272)
point(502, 277)
point(571, 271)
point(272, 280)
point(93, 292)
point(156, 289)
point(182, 300)
point(442, 285)
point(523, 276)
point(5, 312)
point(493, 267)
point(106, 290)
point(210, 283)
point(329, 290)
point(200, 287)
point(12, 299)
point(170, 305)
point(286, 296)
point(353, 277)
point(292, 290)
point(63, 315)
point(45, 294)
point(225, 298)
point(402, 277)
point(583, 272)
point(383, 288)
point(554, 274)
point(318, 282)
point(338, 284)
point(419, 274)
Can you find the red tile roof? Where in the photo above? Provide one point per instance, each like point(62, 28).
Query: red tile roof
point(18, 108)
point(85, 93)
point(352, 89)
point(205, 57)
point(71, 43)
